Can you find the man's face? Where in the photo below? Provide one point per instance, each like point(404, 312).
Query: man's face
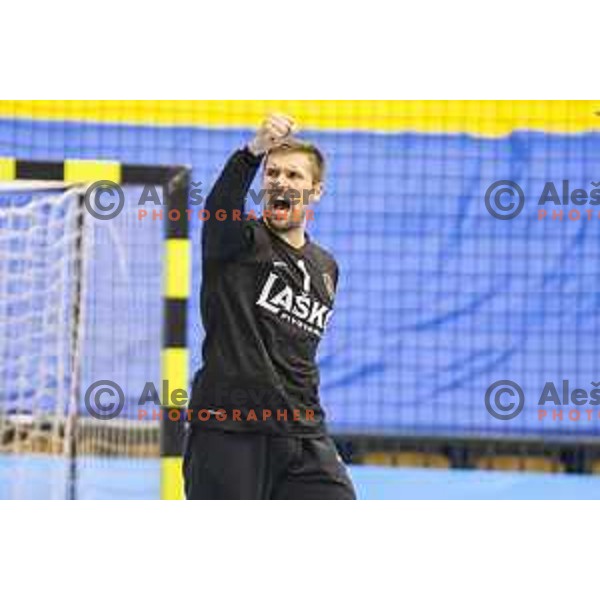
point(290, 188)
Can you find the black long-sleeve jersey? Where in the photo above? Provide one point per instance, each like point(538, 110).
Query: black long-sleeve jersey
point(265, 306)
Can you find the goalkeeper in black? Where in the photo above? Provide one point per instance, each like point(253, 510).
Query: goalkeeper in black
point(255, 424)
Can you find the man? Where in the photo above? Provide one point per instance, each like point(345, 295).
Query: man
point(257, 428)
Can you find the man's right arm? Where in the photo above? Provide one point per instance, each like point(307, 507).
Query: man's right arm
point(223, 232)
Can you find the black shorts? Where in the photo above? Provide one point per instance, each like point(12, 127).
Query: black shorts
point(221, 465)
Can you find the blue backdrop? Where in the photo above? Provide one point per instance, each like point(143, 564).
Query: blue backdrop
point(437, 301)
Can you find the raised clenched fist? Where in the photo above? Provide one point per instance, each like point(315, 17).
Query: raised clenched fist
point(273, 132)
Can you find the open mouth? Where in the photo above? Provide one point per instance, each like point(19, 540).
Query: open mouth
point(281, 204)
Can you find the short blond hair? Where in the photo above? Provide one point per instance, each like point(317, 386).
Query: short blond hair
point(314, 154)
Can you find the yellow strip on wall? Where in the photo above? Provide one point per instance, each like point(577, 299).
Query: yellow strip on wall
point(484, 117)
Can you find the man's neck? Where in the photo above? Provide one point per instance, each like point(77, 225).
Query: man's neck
point(294, 237)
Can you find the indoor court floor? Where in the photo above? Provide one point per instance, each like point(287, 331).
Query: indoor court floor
point(37, 477)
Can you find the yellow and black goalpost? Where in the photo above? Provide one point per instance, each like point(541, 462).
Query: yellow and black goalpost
point(176, 268)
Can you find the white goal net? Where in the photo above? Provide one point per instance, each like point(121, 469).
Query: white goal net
point(80, 301)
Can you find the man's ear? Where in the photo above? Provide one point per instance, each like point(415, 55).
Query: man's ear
point(318, 190)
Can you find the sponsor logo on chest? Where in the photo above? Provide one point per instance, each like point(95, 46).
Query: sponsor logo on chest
point(298, 308)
